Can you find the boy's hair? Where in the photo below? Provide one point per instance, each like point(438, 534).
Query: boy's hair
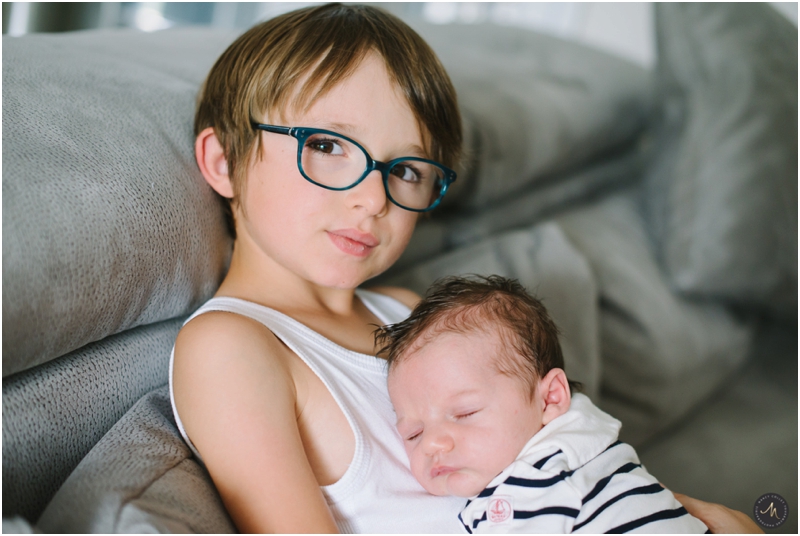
point(529, 337)
point(318, 47)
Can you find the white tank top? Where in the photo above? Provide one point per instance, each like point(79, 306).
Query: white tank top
point(377, 493)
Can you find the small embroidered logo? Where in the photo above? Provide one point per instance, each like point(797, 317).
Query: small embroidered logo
point(500, 510)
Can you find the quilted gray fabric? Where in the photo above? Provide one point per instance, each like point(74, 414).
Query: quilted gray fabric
point(543, 199)
point(54, 413)
point(722, 194)
point(662, 353)
point(140, 478)
point(107, 223)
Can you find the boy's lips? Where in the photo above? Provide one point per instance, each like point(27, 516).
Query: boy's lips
point(440, 470)
point(353, 241)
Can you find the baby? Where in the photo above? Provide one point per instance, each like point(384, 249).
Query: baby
point(486, 412)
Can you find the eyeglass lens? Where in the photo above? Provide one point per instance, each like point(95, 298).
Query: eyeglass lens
point(338, 163)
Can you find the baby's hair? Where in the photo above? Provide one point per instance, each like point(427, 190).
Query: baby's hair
point(468, 304)
point(287, 62)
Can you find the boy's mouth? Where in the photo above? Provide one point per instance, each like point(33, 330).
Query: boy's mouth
point(353, 241)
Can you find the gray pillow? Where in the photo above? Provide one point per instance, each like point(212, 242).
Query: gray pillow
point(722, 192)
point(107, 223)
point(662, 353)
point(140, 478)
point(535, 105)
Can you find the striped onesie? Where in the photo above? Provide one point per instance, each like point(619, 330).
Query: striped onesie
point(575, 476)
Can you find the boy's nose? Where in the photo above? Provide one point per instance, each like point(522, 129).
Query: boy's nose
point(369, 194)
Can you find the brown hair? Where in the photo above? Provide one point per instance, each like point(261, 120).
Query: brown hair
point(321, 45)
point(470, 304)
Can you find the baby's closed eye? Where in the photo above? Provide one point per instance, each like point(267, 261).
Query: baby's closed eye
point(465, 414)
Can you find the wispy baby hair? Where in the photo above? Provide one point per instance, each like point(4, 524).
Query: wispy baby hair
point(466, 304)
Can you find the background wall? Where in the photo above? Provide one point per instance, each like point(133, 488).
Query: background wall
point(623, 28)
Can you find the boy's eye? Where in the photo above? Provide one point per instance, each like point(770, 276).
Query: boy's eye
point(406, 172)
point(326, 146)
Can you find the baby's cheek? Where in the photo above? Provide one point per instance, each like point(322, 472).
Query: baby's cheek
point(418, 469)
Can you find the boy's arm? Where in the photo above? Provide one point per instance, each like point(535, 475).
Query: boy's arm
point(719, 519)
point(237, 401)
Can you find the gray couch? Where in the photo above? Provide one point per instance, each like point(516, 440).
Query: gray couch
point(655, 214)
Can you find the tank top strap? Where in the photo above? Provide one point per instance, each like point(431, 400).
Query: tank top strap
point(387, 309)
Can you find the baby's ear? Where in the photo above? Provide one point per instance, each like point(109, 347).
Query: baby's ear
point(554, 390)
point(212, 162)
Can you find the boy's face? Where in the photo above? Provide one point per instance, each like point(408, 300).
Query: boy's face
point(462, 422)
point(331, 238)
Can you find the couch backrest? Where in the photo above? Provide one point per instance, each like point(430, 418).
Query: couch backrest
point(110, 237)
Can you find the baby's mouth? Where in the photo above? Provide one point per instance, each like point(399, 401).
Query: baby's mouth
point(440, 470)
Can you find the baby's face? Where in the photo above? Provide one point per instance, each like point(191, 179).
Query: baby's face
point(462, 422)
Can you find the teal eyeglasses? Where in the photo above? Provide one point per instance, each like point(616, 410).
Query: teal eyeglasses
point(336, 162)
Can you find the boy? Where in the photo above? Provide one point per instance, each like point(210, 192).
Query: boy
point(485, 411)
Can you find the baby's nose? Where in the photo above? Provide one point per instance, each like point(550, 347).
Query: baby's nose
point(438, 441)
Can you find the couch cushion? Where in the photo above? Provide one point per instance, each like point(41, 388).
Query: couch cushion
point(722, 193)
point(54, 413)
point(107, 223)
point(140, 478)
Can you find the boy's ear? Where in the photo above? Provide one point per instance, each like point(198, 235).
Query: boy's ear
point(554, 390)
point(212, 162)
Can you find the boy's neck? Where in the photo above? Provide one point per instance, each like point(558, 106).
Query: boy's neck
point(270, 284)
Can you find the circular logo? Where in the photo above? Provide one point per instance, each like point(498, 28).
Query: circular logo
point(771, 510)
point(499, 510)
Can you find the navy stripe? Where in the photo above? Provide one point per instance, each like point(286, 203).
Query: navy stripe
point(462, 522)
point(550, 510)
point(540, 463)
point(603, 482)
point(643, 490)
point(612, 445)
point(486, 492)
point(658, 516)
point(543, 483)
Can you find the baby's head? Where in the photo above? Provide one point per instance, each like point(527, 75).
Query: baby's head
point(279, 69)
point(474, 373)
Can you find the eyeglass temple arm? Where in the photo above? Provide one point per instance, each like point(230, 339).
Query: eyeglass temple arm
point(272, 128)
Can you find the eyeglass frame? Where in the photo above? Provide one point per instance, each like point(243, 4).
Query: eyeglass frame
point(301, 134)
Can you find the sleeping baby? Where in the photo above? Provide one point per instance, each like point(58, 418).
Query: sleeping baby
point(486, 412)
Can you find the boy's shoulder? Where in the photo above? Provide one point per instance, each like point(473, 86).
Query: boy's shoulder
point(217, 335)
point(407, 297)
